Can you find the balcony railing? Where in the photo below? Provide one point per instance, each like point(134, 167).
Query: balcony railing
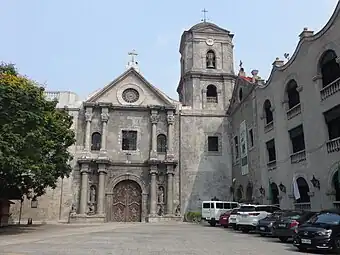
point(330, 89)
point(302, 206)
point(52, 95)
point(333, 145)
point(298, 157)
point(268, 127)
point(212, 99)
point(295, 110)
point(271, 165)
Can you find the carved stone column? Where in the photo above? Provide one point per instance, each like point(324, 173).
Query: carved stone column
point(153, 190)
point(105, 117)
point(170, 188)
point(154, 121)
point(88, 119)
point(84, 171)
point(101, 188)
point(170, 120)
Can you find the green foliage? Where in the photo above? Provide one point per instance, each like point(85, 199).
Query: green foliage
point(34, 137)
point(193, 217)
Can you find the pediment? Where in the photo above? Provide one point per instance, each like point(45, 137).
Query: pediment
point(208, 28)
point(130, 88)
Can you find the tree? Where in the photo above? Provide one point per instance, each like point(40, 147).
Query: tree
point(34, 137)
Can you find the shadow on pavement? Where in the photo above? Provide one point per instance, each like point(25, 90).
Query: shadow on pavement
point(21, 229)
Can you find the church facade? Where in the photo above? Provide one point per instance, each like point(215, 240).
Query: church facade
point(142, 156)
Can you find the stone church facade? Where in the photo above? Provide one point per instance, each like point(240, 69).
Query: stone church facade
point(142, 156)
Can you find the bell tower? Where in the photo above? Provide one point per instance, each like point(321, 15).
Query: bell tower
point(207, 71)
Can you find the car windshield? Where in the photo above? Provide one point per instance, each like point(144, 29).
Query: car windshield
point(247, 208)
point(292, 215)
point(325, 218)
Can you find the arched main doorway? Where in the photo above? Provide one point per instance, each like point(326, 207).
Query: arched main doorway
point(126, 202)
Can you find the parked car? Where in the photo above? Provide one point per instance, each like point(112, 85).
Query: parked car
point(249, 216)
point(321, 232)
point(232, 218)
point(211, 210)
point(284, 227)
point(265, 226)
point(224, 219)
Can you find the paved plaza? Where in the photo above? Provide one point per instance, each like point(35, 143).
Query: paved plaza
point(119, 239)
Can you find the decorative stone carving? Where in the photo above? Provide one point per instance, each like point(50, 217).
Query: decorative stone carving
point(154, 119)
point(160, 210)
point(178, 210)
point(88, 116)
point(104, 116)
point(171, 119)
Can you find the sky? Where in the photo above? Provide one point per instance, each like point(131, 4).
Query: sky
point(82, 45)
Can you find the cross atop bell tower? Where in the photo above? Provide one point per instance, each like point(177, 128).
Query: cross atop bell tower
point(204, 11)
point(132, 62)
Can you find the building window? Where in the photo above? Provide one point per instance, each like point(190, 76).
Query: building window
point(211, 94)
point(96, 141)
point(268, 111)
point(211, 59)
point(271, 150)
point(292, 94)
point(297, 139)
point(332, 118)
point(161, 143)
point(303, 190)
point(212, 143)
point(330, 69)
point(129, 142)
point(240, 94)
point(251, 138)
point(236, 147)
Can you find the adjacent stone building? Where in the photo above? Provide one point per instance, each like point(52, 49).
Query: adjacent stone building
point(142, 156)
point(296, 124)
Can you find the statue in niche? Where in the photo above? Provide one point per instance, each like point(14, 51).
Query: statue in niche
point(178, 210)
point(92, 200)
point(161, 195)
point(73, 209)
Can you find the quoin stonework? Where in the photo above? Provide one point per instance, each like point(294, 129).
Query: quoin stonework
point(142, 156)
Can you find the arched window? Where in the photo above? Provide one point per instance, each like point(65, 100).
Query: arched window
point(161, 143)
point(303, 190)
point(211, 59)
point(293, 95)
point(274, 194)
point(336, 185)
point(249, 193)
point(268, 111)
point(330, 69)
point(239, 193)
point(96, 141)
point(211, 94)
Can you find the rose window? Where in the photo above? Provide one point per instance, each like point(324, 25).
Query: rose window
point(130, 95)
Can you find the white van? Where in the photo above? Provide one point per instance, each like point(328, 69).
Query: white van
point(211, 210)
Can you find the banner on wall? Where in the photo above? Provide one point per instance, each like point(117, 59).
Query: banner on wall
point(244, 148)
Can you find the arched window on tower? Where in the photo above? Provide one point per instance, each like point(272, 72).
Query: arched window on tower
point(96, 141)
point(211, 59)
point(330, 69)
point(161, 143)
point(211, 94)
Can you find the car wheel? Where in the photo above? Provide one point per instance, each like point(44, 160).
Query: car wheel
point(234, 227)
point(262, 234)
point(245, 230)
point(213, 223)
point(283, 239)
point(336, 247)
point(225, 226)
